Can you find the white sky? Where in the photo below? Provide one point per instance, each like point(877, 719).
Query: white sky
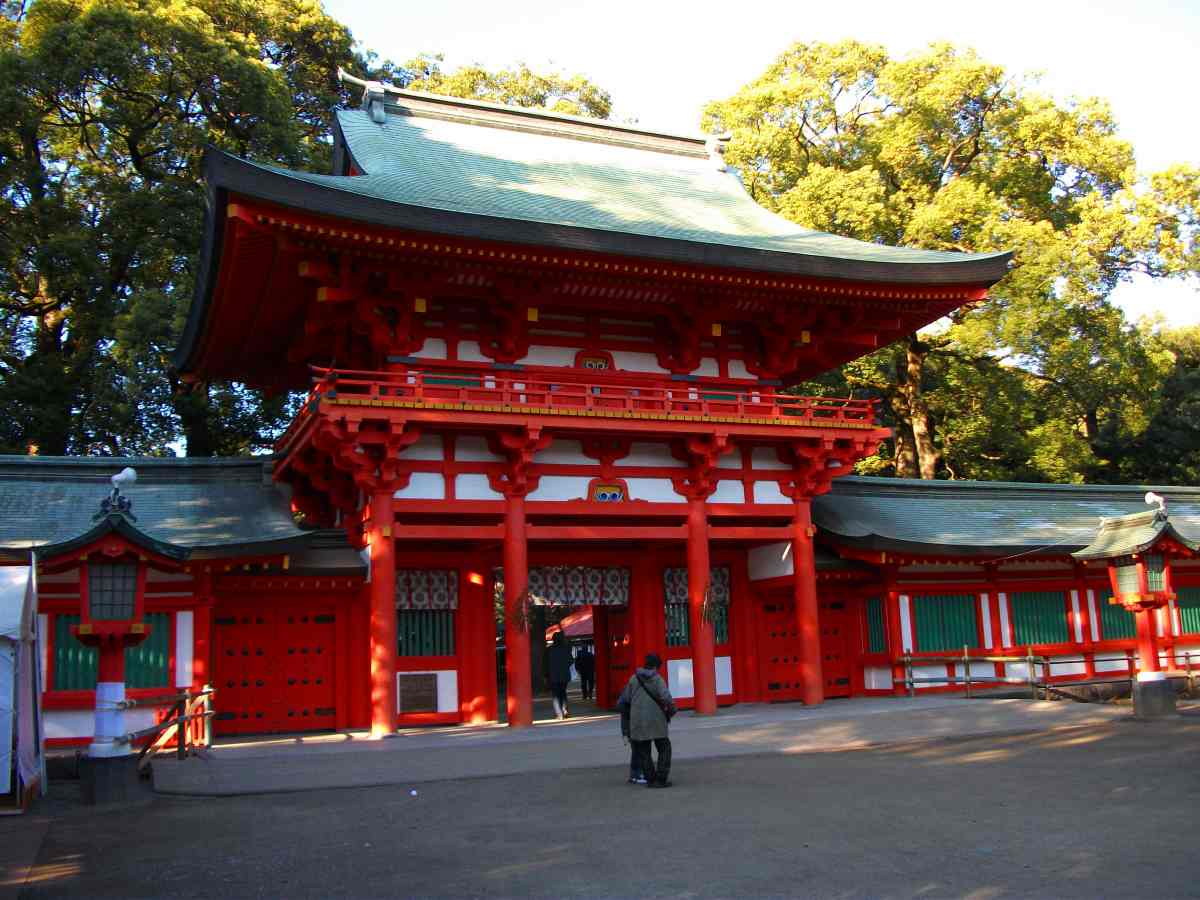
point(662, 60)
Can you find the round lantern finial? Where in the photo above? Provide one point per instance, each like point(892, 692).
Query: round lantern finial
point(1157, 500)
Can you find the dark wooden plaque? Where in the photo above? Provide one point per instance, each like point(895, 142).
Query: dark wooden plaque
point(418, 693)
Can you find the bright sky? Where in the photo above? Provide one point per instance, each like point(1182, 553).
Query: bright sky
point(662, 60)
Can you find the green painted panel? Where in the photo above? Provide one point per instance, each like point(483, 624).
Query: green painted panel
point(148, 665)
point(876, 632)
point(1115, 621)
point(1188, 605)
point(678, 631)
point(453, 380)
point(74, 664)
point(425, 632)
point(946, 622)
point(1039, 617)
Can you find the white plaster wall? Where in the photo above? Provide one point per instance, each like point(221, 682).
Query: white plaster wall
point(423, 486)
point(679, 678)
point(447, 688)
point(766, 458)
point(433, 348)
point(474, 448)
point(651, 455)
point(769, 492)
point(1093, 614)
point(564, 453)
point(472, 486)
point(1061, 666)
point(728, 492)
point(426, 447)
point(656, 490)
point(561, 487)
point(1075, 618)
point(184, 644)
point(1020, 670)
point(929, 672)
point(541, 355)
point(630, 361)
point(1005, 627)
point(468, 351)
point(81, 723)
point(906, 631)
point(724, 666)
point(1192, 649)
point(708, 367)
point(877, 678)
point(1110, 662)
point(770, 561)
point(730, 460)
point(985, 618)
point(737, 369)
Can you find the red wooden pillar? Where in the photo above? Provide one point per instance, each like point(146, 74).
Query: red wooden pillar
point(804, 581)
point(1146, 643)
point(516, 629)
point(895, 631)
point(704, 668)
point(383, 614)
point(202, 631)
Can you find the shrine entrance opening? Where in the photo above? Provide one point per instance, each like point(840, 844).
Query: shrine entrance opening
point(594, 594)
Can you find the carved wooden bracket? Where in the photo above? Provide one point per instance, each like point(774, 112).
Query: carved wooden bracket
point(701, 453)
point(816, 462)
point(519, 447)
point(369, 452)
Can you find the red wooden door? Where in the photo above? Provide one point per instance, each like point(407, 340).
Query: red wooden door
point(779, 648)
point(274, 669)
point(835, 647)
point(619, 649)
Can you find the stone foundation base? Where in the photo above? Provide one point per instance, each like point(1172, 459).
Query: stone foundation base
point(1153, 699)
point(112, 780)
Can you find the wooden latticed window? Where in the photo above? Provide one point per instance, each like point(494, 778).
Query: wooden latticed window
point(425, 632)
point(112, 591)
point(1188, 604)
point(1039, 617)
point(876, 630)
point(1154, 572)
point(946, 622)
point(675, 605)
point(1116, 622)
point(1127, 577)
point(148, 665)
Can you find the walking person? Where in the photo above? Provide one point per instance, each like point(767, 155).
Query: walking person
point(558, 672)
point(585, 665)
point(650, 710)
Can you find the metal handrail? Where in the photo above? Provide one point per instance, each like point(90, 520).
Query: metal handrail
point(1033, 664)
point(186, 708)
point(506, 390)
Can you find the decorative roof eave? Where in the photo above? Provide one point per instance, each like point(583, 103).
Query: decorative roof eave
point(1133, 534)
point(119, 524)
point(277, 547)
point(226, 175)
point(900, 552)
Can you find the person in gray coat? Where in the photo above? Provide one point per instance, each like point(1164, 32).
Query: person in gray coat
point(650, 708)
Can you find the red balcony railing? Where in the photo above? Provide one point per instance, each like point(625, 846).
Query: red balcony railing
point(493, 391)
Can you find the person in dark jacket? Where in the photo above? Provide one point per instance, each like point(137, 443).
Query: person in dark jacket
point(585, 665)
point(558, 672)
point(650, 710)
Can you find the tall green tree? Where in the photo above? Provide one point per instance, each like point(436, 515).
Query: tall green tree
point(943, 150)
point(106, 109)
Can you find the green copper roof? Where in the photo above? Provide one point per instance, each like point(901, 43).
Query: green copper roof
point(950, 517)
point(585, 180)
point(1135, 533)
point(207, 506)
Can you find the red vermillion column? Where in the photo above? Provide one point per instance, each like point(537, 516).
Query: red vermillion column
point(804, 566)
point(383, 614)
point(704, 667)
point(516, 633)
point(1147, 646)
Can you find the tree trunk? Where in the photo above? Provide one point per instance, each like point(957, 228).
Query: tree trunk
point(905, 456)
point(920, 420)
point(194, 417)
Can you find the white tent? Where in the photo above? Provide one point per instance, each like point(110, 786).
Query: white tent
point(21, 760)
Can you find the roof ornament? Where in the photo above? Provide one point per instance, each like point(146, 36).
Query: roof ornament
point(1158, 500)
point(716, 150)
point(373, 98)
point(114, 503)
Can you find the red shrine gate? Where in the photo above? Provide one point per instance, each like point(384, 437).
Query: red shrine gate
point(514, 379)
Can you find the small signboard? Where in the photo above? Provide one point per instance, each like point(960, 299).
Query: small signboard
point(417, 692)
